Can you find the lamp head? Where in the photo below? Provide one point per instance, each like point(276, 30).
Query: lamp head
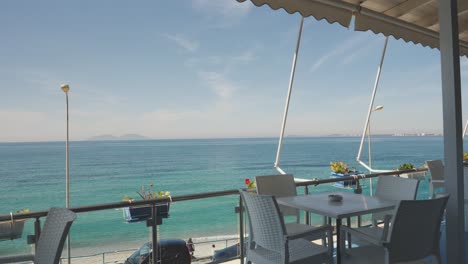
point(65, 88)
point(379, 107)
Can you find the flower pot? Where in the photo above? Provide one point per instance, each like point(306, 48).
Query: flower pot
point(343, 184)
point(10, 230)
point(142, 213)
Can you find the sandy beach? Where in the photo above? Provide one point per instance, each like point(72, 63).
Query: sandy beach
point(203, 253)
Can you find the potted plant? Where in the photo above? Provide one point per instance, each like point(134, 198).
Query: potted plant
point(13, 229)
point(341, 169)
point(420, 175)
point(250, 184)
point(143, 212)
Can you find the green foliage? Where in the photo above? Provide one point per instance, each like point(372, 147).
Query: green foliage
point(147, 194)
point(340, 167)
point(406, 166)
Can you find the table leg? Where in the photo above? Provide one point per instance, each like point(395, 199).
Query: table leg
point(338, 239)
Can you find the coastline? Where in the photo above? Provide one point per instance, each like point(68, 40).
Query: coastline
point(115, 253)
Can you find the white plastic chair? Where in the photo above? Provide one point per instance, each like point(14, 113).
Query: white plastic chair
point(414, 235)
point(52, 238)
point(268, 241)
point(437, 180)
point(283, 186)
point(389, 188)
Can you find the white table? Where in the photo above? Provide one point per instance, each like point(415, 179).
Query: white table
point(352, 205)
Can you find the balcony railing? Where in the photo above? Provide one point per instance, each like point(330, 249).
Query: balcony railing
point(93, 208)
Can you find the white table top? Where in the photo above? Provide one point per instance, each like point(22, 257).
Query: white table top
point(352, 204)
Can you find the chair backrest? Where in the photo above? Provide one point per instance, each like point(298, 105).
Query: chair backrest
point(267, 228)
point(278, 186)
point(436, 169)
point(395, 188)
point(52, 238)
point(415, 231)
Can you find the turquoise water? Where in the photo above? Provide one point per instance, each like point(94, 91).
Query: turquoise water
point(33, 176)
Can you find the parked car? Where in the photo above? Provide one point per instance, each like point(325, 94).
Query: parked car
point(170, 251)
point(226, 254)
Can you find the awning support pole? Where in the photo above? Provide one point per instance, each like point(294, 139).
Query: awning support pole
point(464, 130)
point(286, 107)
point(369, 113)
point(452, 116)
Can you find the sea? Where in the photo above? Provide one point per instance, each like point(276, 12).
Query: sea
point(32, 176)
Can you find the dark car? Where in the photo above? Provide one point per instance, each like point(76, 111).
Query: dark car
point(226, 254)
point(170, 251)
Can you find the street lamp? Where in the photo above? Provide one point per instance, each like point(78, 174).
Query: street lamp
point(377, 108)
point(65, 88)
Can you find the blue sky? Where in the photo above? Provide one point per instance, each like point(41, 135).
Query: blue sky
point(202, 69)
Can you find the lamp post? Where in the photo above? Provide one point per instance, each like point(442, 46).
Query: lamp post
point(377, 108)
point(65, 88)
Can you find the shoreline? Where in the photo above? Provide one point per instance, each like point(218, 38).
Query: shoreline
point(117, 254)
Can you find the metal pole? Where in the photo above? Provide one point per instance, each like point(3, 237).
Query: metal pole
point(154, 233)
point(369, 112)
point(369, 142)
point(453, 142)
point(66, 88)
point(37, 231)
point(286, 107)
point(67, 169)
point(464, 130)
point(241, 230)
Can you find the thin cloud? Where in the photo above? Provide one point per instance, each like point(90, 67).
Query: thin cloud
point(343, 49)
point(219, 84)
point(361, 50)
point(165, 115)
point(245, 57)
point(184, 42)
point(224, 63)
point(226, 8)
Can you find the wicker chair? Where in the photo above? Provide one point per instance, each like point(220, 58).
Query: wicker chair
point(436, 169)
point(268, 241)
point(282, 186)
point(389, 188)
point(414, 235)
point(51, 240)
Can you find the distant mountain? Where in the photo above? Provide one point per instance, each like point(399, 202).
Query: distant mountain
point(123, 137)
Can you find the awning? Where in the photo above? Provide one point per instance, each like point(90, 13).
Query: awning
point(411, 20)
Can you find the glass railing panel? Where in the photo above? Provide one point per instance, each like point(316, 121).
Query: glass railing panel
point(211, 223)
point(14, 237)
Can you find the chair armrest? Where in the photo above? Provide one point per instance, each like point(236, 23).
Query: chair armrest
point(386, 228)
point(318, 230)
point(438, 181)
point(18, 258)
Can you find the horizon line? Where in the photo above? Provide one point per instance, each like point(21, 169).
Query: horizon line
point(210, 138)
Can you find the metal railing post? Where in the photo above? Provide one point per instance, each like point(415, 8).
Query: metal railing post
point(154, 233)
point(307, 215)
point(241, 230)
point(37, 231)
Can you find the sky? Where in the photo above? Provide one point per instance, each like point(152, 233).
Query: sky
point(202, 69)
